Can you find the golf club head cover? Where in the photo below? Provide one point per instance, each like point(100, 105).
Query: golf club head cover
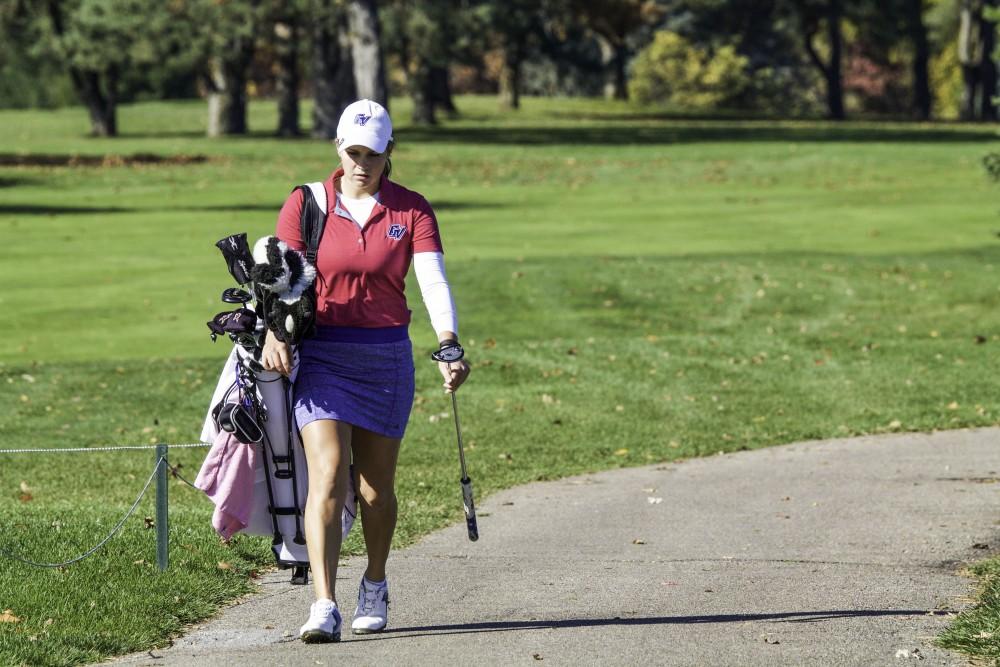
point(285, 279)
point(239, 259)
point(241, 320)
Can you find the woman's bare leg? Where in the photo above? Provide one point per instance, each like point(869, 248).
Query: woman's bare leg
point(375, 459)
point(327, 444)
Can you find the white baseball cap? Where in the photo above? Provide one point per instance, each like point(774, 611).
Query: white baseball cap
point(364, 123)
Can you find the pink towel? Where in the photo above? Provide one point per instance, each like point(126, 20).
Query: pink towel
point(227, 477)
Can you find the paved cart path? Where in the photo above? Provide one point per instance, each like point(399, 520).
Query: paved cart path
point(842, 552)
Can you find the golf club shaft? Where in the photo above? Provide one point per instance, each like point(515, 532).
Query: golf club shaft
point(467, 500)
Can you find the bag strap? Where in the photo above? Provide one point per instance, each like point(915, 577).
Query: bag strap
point(313, 219)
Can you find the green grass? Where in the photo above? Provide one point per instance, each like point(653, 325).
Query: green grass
point(632, 289)
point(976, 631)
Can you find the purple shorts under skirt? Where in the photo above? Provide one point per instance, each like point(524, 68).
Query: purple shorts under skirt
point(360, 376)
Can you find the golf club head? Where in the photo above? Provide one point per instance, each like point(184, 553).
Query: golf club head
point(470, 510)
point(236, 295)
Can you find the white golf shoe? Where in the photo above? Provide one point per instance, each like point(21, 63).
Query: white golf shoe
point(372, 614)
point(323, 625)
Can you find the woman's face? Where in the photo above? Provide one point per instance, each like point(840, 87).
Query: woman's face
point(363, 167)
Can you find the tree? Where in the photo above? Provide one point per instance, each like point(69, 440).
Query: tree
point(917, 29)
point(614, 21)
point(366, 51)
point(813, 14)
point(976, 42)
point(419, 34)
point(332, 69)
point(230, 29)
point(96, 40)
point(287, 32)
point(515, 26)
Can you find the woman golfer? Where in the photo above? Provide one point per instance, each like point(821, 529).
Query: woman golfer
point(355, 382)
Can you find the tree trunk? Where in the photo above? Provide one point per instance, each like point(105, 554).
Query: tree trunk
point(831, 71)
point(286, 39)
point(227, 99)
point(419, 80)
point(988, 70)
point(969, 56)
point(99, 100)
point(922, 100)
point(333, 75)
point(440, 88)
point(834, 87)
point(366, 51)
point(510, 77)
point(102, 105)
point(620, 80)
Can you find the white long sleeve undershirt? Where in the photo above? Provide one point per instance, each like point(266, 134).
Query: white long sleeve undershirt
point(429, 269)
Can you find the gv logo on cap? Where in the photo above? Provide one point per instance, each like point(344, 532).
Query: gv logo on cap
point(361, 119)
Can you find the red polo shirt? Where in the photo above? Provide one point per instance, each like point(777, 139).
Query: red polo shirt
point(362, 271)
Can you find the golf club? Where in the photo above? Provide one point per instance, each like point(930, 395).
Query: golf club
point(470, 507)
point(448, 352)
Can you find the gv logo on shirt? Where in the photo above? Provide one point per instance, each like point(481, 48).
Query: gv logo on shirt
point(396, 232)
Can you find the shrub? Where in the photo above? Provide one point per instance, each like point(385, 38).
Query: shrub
point(672, 70)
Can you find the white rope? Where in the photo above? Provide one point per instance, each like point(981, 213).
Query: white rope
point(66, 450)
point(3, 552)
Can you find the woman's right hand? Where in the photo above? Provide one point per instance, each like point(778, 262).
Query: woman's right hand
point(276, 355)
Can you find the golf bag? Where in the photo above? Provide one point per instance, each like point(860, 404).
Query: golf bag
point(254, 405)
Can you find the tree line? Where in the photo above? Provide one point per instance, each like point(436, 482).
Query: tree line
point(906, 58)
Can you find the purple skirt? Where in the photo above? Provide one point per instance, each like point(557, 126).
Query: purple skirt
point(360, 376)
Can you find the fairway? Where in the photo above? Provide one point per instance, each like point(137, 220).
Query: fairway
point(631, 289)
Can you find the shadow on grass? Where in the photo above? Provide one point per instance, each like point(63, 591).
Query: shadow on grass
point(54, 210)
point(68, 160)
point(48, 209)
point(695, 132)
point(15, 181)
point(779, 617)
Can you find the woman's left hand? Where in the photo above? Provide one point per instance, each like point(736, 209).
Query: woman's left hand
point(454, 374)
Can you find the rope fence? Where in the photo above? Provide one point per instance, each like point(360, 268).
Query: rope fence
point(159, 474)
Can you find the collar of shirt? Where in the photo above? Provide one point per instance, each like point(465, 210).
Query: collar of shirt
point(388, 196)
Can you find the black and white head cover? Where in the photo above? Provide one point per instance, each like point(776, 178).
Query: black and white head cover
point(285, 280)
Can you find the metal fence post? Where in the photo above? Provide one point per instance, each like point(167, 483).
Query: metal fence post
point(162, 532)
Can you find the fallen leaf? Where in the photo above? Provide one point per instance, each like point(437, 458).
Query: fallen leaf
point(654, 501)
point(638, 541)
point(48, 622)
point(148, 521)
point(537, 656)
point(8, 617)
point(980, 545)
point(953, 405)
point(223, 565)
point(621, 452)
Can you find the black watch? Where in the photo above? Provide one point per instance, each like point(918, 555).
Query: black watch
point(448, 351)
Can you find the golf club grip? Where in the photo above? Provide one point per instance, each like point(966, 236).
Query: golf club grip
point(470, 509)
